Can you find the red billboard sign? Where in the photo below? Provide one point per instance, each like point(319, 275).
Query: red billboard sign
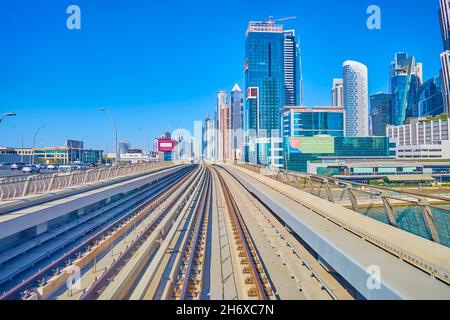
point(166, 145)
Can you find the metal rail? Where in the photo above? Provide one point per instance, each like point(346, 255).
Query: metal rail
point(357, 192)
point(195, 245)
point(406, 251)
point(28, 283)
point(12, 189)
point(241, 231)
point(95, 289)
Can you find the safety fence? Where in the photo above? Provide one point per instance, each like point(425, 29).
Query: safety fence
point(420, 213)
point(21, 187)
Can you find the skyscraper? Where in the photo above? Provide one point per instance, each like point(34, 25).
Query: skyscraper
point(337, 93)
point(264, 78)
point(225, 133)
point(124, 146)
point(237, 120)
point(380, 113)
point(356, 99)
point(444, 14)
point(209, 148)
point(221, 100)
point(291, 64)
point(445, 75)
point(405, 82)
point(430, 98)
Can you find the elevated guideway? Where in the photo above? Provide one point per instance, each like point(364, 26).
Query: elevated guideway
point(33, 217)
point(353, 245)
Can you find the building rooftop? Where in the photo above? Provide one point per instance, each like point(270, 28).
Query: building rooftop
point(236, 88)
point(314, 108)
point(264, 26)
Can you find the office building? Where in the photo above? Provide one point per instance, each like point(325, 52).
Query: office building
point(356, 99)
point(302, 151)
point(266, 152)
point(237, 121)
point(380, 113)
point(431, 101)
point(291, 68)
point(210, 140)
point(124, 147)
point(10, 155)
point(225, 133)
point(62, 155)
point(221, 100)
point(310, 122)
point(405, 82)
point(445, 76)
point(422, 138)
point(264, 79)
point(337, 93)
point(444, 22)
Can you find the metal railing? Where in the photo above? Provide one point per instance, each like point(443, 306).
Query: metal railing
point(423, 214)
point(16, 188)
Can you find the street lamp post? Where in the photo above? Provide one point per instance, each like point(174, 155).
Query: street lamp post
point(115, 130)
point(21, 139)
point(8, 114)
point(34, 141)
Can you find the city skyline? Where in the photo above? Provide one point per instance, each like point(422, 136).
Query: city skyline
point(152, 114)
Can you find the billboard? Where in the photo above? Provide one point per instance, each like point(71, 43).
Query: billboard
point(312, 145)
point(166, 145)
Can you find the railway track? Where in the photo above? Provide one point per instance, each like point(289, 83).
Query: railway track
point(256, 281)
point(146, 257)
point(27, 288)
point(191, 274)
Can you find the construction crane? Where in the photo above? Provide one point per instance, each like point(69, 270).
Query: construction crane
point(272, 20)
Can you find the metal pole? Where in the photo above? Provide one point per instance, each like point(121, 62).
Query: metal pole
point(34, 141)
point(115, 131)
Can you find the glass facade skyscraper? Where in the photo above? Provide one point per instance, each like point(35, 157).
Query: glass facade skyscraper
point(310, 122)
point(264, 78)
point(405, 83)
point(431, 102)
point(380, 113)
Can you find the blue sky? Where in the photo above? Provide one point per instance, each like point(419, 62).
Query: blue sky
point(158, 64)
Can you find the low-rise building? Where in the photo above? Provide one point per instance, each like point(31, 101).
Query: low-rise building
point(265, 151)
point(64, 155)
point(301, 151)
point(422, 138)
